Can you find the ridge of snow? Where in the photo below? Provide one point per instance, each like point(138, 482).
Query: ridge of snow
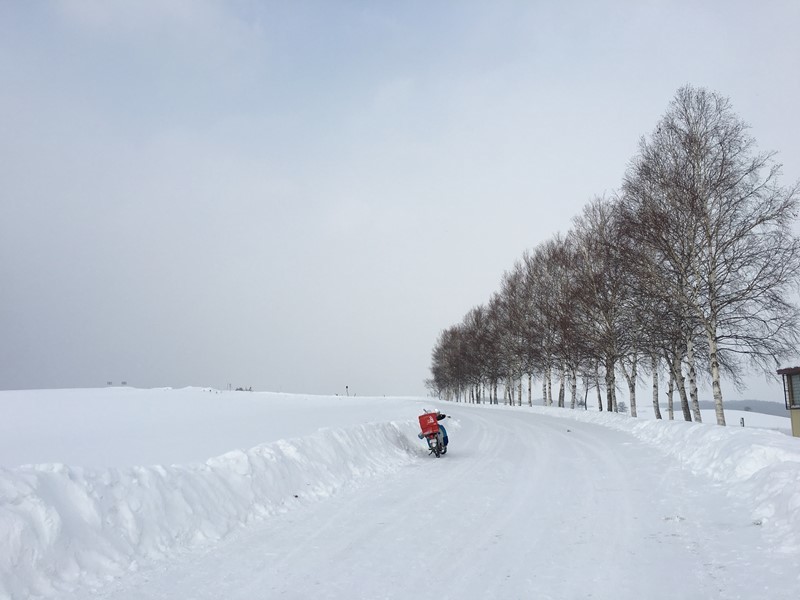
point(63, 525)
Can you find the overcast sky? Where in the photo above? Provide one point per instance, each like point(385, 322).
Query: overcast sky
point(299, 196)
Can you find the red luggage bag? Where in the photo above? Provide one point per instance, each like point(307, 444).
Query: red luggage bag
point(429, 424)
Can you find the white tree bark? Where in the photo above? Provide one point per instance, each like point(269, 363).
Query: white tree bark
point(670, 392)
point(611, 384)
point(597, 386)
point(716, 389)
point(530, 389)
point(574, 388)
point(693, 380)
point(654, 368)
point(677, 374)
point(631, 377)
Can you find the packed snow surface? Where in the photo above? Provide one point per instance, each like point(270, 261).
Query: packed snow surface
point(126, 493)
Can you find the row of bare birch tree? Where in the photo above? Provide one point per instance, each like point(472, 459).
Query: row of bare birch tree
point(690, 270)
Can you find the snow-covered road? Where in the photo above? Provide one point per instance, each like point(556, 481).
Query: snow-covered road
point(524, 505)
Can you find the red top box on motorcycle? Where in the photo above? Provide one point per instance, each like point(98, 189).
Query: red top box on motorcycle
point(429, 423)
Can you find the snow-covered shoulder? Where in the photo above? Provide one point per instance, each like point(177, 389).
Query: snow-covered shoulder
point(760, 466)
point(64, 525)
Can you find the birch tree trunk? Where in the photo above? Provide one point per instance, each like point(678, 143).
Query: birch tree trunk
point(632, 392)
point(611, 384)
point(670, 392)
point(654, 368)
point(693, 380)
point(530, 389)
point(597, 385)
point(630, 378)
point(585, 392)
point(716, 389)
point(574, 388)
point(677, 373)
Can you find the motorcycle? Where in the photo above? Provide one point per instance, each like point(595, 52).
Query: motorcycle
point(435, 434)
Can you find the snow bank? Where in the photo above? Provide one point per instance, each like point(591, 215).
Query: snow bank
point(166, 427)
point(760, 466)
point(64, 525)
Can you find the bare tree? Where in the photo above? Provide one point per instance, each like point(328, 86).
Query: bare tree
point(448, 364)
point(538, 310)
point(520, 323)
point(720, 204)
point(602, 280)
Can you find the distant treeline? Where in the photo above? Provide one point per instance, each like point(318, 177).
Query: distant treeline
point(687, 270)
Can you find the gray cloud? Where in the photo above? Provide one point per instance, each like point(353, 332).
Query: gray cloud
point(300, 196)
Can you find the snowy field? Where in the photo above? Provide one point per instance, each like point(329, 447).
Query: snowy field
point(125, 493)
